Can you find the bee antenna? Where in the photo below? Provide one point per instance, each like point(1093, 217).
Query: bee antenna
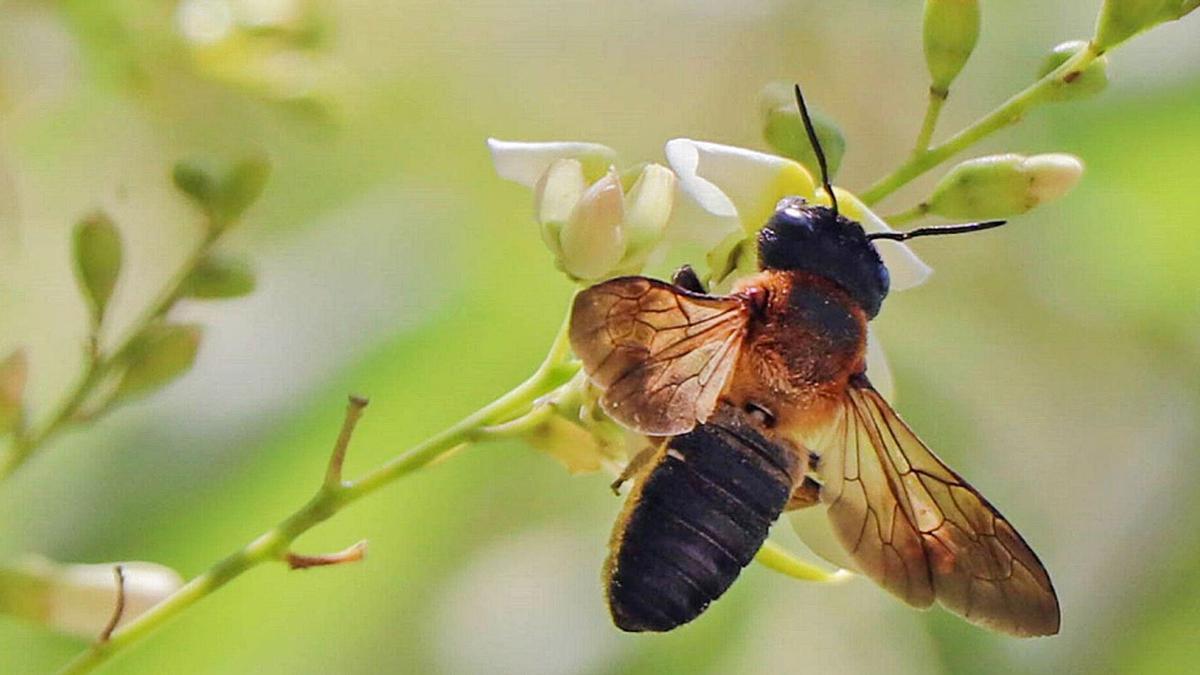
point(816, 146)
point(936, 230)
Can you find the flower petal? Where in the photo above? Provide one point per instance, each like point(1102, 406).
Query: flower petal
point(592, 242)
point(525, 163)
point(878, 370)
point(648, 207)
point(813, 527)
point(904, 267)
point(727, 180)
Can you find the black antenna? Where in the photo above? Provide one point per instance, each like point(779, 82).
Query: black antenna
point(816, 145)
point(936, 230)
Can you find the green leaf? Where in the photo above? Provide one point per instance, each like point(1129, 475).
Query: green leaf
point(158, 355)
point(241, 188)
point(14, 373)
point(196, 183)
point(97, 261)
point(219, 277)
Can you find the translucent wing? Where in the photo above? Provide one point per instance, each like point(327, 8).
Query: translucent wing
point(922, 532)
point(661, 354)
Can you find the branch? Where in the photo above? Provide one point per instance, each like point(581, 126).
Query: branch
point(1008, 113)
point(331, 498)
point(99, 364)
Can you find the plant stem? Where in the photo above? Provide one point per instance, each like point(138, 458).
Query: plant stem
point(1008, 113)
point(937, 98)
point(100, 364)
point(332, 497)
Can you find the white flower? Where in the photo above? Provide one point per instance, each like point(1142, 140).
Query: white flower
point(595, 226)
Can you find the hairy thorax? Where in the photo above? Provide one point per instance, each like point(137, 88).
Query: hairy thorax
point(805, 341)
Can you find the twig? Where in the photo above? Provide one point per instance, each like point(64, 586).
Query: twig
point(1008, 113)
point(354, 553)
point(937, 98)
point(354, 410)
point(119, 609)
point(330, 499)
point(99, 363)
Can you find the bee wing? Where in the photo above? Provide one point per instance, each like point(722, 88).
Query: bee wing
point(661, 354)
point(922, 532)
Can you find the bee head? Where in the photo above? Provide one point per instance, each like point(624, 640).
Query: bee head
point(805, 237)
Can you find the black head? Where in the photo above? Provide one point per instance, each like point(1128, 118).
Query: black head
point(805, 237)
point(815, 239)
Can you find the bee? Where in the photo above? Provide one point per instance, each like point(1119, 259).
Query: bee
point(759, 402)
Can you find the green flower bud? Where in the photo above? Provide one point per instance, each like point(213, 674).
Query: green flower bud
point(784, 130)
point(97, 261)
point(1122, 19)
point(1003, 185)
point(219, 277)
point(951, 31)
point(156, 357)
point(1087, 82)
point(14, 373)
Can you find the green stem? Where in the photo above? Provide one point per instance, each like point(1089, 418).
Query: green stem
point(100, 364)
point(1008, 113)
point(937, 98)
point(332, 497)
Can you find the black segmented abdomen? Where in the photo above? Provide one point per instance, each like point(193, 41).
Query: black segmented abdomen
point(696, 519)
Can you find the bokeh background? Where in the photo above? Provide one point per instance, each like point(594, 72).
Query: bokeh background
point(1056, 363)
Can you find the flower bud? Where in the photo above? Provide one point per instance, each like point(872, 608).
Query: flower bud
point(1087, 82)
point(97, 261)
point(951, 30)
point(14, 373)
point(554, 198)
point(591, 241)
point(648, 207)
point(1003, 185)
point(1122, 19)
point(81, 599)
point(784, 130)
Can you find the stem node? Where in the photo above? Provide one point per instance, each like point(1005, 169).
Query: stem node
point(352, 554)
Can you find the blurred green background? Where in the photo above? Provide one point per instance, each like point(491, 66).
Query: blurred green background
point(1055, 363)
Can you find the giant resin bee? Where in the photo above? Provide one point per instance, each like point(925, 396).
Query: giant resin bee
point(759, 402)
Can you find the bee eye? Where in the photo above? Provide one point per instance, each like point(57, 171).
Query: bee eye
point(760, 414)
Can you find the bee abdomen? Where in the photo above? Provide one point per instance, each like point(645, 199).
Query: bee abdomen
point(697, 518)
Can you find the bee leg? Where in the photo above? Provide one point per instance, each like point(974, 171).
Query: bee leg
point(685, 278)
point(806, 494)
point(634, 465)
